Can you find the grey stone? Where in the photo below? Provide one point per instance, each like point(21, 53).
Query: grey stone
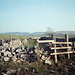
point(7, 53)
point(13, 53)
point(18, 50)
point(15, 43)
point(45, 52)
point(30, 52)
point(3, 50)
point(41, 51)
point(6, 59)
point(1, 47)
point(24, 42)
point(14, 58)
point(11, 71)
point(22, 47)
point(5, 44)
point(44, 58)
point(22, 55)
point(3, 73)
point(48, 62)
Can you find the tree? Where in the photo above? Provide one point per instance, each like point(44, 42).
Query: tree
point(49, 31)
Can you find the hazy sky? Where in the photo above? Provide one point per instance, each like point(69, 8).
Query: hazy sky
point(37, 15)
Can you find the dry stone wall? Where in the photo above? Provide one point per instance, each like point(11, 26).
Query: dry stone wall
point(12, 52)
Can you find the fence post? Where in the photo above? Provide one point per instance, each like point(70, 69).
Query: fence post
point(53, 38)
point(55, 49)
point(55, 53)
point(38, 53)
point(66, 39)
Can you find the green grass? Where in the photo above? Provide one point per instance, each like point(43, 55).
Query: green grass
point(30, 42)
point(64, 36)
point(8, 37)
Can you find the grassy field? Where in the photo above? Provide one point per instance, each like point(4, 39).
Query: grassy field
point(5, 36)
point(30, 43)
point(21, 37)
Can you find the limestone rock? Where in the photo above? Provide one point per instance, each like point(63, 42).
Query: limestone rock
point(44, 58)
point(6, 58)
point(14, 58)
point(24, 42)
point(5, 44)
point(11, 71)
point(48, 62)
point(15, 43)
point(46, 53)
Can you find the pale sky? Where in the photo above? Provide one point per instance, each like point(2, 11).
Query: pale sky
point(37, 15)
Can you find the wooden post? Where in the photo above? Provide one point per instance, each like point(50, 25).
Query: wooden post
point(53, 38)
point(38, 54)
point(66, 39)
point(55, 53)
point(55, 49)
point(37, 44)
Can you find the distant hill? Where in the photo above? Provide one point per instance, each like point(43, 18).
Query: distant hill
point(62, 33)
point(57, 33)
point(24, 33)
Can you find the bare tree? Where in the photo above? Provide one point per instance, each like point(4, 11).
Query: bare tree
point(49, 31)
